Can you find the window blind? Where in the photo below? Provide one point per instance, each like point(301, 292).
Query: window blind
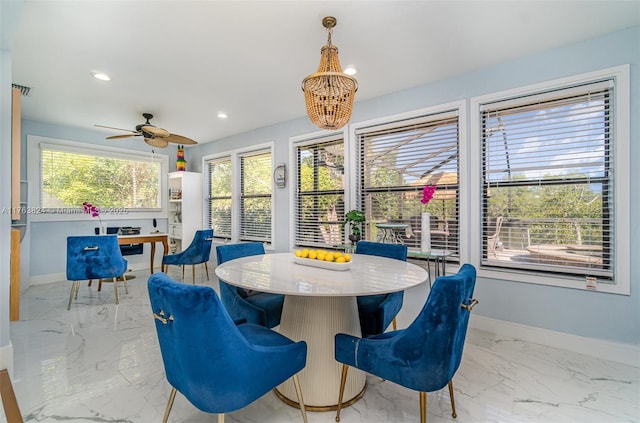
point(256, 187)
point(70, 176)
point(319, 202)
point(548, 181)
point(396, 160)
point(218, 206)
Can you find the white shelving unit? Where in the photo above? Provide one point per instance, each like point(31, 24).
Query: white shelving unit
point(185, 209)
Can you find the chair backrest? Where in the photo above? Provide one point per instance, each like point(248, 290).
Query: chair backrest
point(432, 344)
point(205, 356)
point(394, 251)
point(94, 257)
point(234, 251)
point(199, 250)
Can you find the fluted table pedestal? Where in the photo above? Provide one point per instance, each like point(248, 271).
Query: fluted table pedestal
point(316, 320)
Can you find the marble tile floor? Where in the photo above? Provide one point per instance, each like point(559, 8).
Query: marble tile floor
point(100, 362)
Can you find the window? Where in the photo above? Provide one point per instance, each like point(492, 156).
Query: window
point(255, 196)
point(239, 201)
point(396, 160)
point(219, 200)
point(551, 169)
point(319, 192)
point(71, 173)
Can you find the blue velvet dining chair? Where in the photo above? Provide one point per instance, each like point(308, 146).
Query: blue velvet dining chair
point(197, 252)
point(94, 257)
point(376, 312)
point(424, 356)
point(218, 366)
point(260, 308)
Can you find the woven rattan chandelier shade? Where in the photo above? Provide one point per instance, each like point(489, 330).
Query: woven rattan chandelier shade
point(329, 93)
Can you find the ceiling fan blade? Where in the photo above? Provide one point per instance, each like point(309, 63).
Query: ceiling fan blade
point(155, 131)
point(179, 139)
point(115, 137)
point(157, 142)
point(118, 129)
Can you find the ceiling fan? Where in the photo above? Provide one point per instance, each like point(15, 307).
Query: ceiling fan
point(154, 136)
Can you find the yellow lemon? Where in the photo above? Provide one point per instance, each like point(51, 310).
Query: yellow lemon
point(313, 255)
point(347, 257)
point(304, 253)
point(321, 256)
point(340, 260)
point(298, 253)
point(338, 254)
point(328, 257)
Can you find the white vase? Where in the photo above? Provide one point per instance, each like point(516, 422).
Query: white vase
point(103, 229)
point(425, 233)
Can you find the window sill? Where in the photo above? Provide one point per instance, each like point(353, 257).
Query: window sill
point(559, 280)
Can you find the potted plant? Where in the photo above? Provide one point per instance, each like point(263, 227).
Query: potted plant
point(355, 219)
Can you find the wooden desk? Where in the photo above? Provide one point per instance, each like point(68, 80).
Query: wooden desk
point(150, 238)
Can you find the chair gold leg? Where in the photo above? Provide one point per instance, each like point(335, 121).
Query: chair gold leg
point(221, 418)
point(124, 280)
point(395, 325)
point(423, 407)
point(77, 288)
point(206, 269)
point(99, 285)
point(115, 288)
point(453, 402)
point(90, 280)
point(73, 291)
point(303, 410)
point(343, 381)
point(183, 273)
point(193, 274)
point(167, 410)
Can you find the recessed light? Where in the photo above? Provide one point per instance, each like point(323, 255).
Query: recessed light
point(101, 76)
point(350, 70)
point(222, 115)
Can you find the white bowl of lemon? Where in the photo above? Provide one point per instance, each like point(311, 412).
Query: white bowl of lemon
point(332, 260)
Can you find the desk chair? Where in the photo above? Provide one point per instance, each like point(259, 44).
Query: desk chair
point(94, 257)
point(218, 366)
point(378, 311)
point(425, 356)
point(260, 308)
point(197, 252)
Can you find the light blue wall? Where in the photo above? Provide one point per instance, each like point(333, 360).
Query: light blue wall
point(44, 245)
point(584, 313)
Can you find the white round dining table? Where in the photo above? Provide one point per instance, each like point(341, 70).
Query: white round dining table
point(319, 303)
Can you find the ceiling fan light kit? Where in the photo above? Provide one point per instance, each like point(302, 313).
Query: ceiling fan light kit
point(154, 136)
point(329, 93)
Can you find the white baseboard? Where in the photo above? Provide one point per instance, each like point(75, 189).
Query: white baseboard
point(57, 277)
point(620, 353)
point(6, 358)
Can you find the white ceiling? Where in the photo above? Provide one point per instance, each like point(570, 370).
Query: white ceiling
point(184, 61)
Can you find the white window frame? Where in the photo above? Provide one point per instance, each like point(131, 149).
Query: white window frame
point(463, 185)
point(621, 153)
point(206, 212)
point(248, 154)
point(312, 139)
point(34, 177)
point(235, 186)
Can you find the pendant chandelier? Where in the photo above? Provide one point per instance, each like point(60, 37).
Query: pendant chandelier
point(329, 93)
